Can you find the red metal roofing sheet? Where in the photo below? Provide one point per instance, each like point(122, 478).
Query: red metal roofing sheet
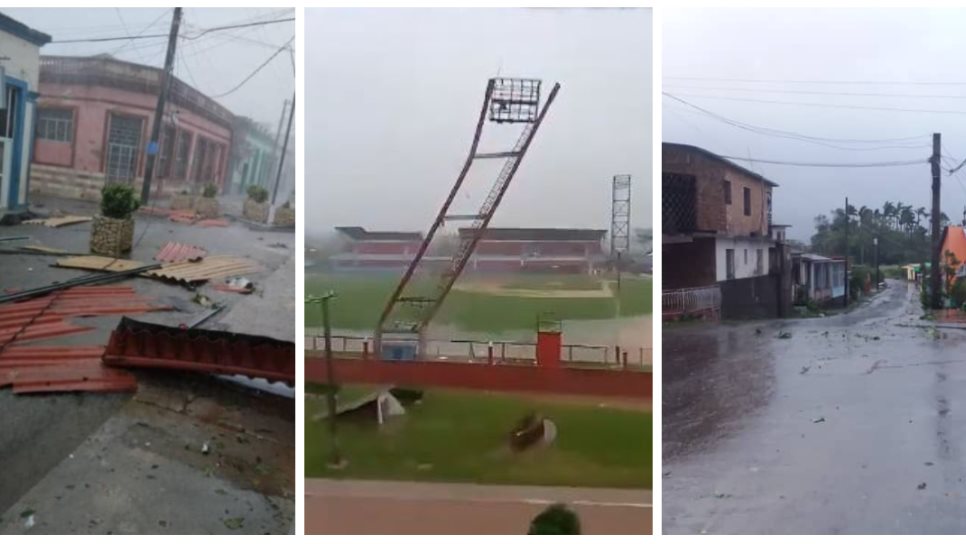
point(174, 252)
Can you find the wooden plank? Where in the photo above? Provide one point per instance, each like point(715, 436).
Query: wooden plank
point(96, 262)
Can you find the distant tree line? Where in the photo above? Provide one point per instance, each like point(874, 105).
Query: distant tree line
point(902, 230)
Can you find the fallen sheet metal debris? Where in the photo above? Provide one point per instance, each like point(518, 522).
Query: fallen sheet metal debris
point(47, 369)
point(89, 280)
point(48, 316)
point(212, 223)
point(55, 222)
point(206, 269)
point(137, 344)
point(175, 252)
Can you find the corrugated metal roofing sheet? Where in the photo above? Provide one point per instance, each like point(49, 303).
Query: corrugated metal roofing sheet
point(175, 252)
point(206, 269)
point(138, 344)
point(35, 369)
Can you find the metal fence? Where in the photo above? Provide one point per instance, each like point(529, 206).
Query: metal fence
point(478, 351)
point(695, 300)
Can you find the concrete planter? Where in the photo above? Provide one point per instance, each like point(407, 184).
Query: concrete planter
point(182, 202)
point(111, 237)
point(254, 211)
point(207, 207)
point(285, 217)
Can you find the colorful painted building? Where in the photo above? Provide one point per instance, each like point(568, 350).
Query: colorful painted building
point(94, 118)
point(252, 156)
point(19, 74)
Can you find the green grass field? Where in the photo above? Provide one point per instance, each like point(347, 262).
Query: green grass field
point(462, 437)
point(360, 299)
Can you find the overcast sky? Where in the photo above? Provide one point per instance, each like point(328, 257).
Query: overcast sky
point(919, 46)
point(213, 63)
point(392, 97)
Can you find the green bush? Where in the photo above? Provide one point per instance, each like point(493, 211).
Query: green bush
point(118, 201)
point(557, 519)
point(257, 193)
point(958, 293)
point(210, 191)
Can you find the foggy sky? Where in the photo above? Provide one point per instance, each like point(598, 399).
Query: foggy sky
point(392, 98)
point(213, 63)
point(809, 44)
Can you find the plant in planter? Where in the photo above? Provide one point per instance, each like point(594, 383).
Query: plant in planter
point(285, 216)
point(206, 205)
point(112, 232)
point(183, 201)
point(256, 206)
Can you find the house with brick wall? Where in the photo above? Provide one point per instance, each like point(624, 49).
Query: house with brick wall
point(722, 255)
point(94, 117)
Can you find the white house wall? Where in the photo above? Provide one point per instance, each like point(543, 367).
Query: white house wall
point(24, 59)
point(742, 269)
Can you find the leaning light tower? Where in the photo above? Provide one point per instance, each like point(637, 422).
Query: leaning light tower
point(620, 217)
point(413, 304)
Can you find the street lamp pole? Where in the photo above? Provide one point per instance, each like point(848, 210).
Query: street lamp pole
point(875, 244)
point(335, 457)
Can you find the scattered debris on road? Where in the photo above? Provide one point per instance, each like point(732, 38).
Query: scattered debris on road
point(175, 252)
point(56, 222)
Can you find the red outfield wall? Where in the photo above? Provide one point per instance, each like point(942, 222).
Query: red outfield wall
point(568, 381)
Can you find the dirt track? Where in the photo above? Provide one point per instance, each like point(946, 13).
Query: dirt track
point(381, 507)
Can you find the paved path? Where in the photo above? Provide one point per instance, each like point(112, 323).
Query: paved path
point(854, 424)
point(384, 507)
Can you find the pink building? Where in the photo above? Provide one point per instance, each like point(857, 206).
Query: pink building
point(94, 119)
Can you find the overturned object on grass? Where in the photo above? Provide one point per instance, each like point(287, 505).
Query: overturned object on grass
point(146, 345)
point(379, 404)
point(531, 430)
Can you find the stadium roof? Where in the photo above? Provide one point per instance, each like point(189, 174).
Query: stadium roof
point(359, 233)
point(518, 234)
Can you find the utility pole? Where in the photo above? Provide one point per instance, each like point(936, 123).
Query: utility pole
point(335, 455)
point(875, 244)
point(846, 252)
point(153, 146)
point(935, 298)
point(278, 134)
point(281, 159)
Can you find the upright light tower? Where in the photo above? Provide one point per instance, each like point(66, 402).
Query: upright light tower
point(413, 304)
point(620, 216)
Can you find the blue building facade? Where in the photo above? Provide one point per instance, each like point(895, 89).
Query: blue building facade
point(19, 73)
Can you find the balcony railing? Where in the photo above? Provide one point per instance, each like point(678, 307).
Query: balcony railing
point(692, 301)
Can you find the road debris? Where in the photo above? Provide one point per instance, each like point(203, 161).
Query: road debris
point(819, 420)
point(236, 284)
point(175, 252)
point(137, 344)
point(56, 222)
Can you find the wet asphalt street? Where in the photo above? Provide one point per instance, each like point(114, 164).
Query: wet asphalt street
point(854, 424)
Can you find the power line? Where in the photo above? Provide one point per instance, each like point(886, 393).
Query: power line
point(251, 75)
point(141, 33)
point(831, 164)
point(822, 105)
point(802, 137)
point(823, 93)
point(186, 37)
point(818, 81)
